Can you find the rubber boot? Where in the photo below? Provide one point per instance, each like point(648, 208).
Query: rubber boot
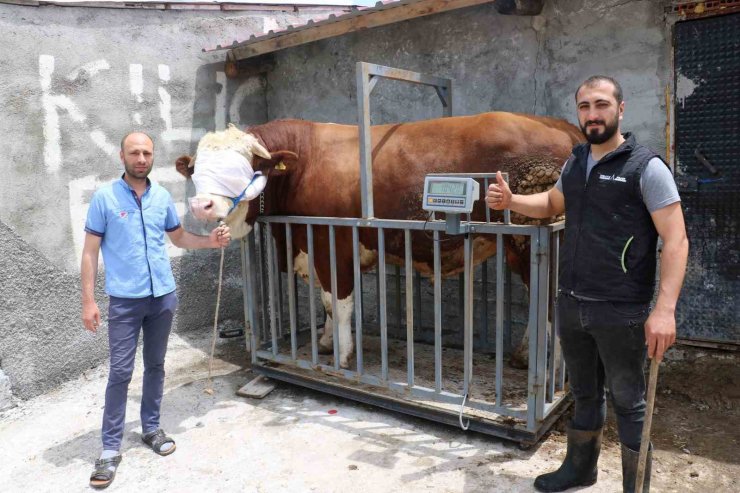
point(579, 466)
point(629, 469)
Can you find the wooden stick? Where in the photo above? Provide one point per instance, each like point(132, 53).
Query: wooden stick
point(645, 443)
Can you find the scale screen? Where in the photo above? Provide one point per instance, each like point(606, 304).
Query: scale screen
point(450, 194)
point(446, 188)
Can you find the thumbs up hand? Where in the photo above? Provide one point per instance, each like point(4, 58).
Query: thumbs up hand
point(498, 196)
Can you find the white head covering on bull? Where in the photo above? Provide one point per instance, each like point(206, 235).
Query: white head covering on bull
point(224, 179)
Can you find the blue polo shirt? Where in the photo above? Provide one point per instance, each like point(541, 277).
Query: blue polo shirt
point(133, 245)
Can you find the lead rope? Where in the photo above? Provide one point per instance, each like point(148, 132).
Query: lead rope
point(209, 389)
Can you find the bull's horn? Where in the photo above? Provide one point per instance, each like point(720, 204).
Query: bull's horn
point(260, 151)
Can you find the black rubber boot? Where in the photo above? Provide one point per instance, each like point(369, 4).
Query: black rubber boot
point(629, 469)
point(579, 466)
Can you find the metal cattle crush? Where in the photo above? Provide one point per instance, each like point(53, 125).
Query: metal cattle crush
point(434, 381)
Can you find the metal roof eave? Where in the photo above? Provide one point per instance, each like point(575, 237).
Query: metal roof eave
point(356, 20)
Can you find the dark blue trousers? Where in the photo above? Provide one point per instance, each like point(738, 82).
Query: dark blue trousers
point(128, 317)
point(604, 345)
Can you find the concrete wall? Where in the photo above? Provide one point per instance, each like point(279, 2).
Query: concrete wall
point(529, 64)
point(72, 82)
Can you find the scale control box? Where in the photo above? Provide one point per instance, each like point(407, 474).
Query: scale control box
point(452, 195)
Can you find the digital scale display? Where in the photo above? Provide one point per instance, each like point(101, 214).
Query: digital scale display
point(448, 194)
point(446, 188)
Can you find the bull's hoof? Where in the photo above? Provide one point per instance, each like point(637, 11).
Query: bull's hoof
point(519, 362)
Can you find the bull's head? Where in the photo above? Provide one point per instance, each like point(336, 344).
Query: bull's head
point(232, 169)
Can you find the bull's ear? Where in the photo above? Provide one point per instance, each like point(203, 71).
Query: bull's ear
point(279, 163)
point(185, 165)
point(282, 162)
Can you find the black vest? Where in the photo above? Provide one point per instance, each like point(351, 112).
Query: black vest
point(610, 239)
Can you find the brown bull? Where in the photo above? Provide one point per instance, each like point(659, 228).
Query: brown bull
point(312, 169)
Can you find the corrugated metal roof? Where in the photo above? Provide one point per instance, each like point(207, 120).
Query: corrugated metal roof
point(355, 10)
point(383, 13)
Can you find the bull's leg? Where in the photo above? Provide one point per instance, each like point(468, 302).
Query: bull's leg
point(343, 319)
point(326, 344)
point(344, 326)
point(520, 356)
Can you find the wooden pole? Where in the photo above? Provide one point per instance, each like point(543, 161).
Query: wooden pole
point(645, 444)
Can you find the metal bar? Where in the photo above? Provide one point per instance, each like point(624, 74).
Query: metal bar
point(507, 431)
point(417, 293)
point(488, 209)
point(500, 254)
point(508, 323)
point(405, 75)
point(437, 315)
point(372, 80)
point(555, 406)
point(552, 339)
point(260, 258)
point(383, 309)
point(278, 288)
point(543, 296)
point(417, 225)
point(377, 292)
point(312, 296)
point(468, 316)
point(397, 298)
point(291, 292)
point(334, 313)
point(400, 388)
point(556, 324)
point(483, 333)
point(461, 296)
point(358, 297)
point(532, 325)
point(271, 287)
point(250, 300)
point(366, 169)
point(409, 311)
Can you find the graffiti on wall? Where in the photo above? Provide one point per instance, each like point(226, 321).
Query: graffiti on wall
point(61, 108)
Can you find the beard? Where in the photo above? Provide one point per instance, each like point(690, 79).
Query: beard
point(594, 136)
point(134, 173)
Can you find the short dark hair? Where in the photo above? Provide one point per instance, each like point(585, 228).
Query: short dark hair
point(596, 79)
point(123, 140)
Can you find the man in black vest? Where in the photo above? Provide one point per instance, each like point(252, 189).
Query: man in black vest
point(618, 197)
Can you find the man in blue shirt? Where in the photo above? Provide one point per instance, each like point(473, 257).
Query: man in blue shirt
point(127, 221)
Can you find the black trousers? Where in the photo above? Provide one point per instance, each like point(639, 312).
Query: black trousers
point(604, 345)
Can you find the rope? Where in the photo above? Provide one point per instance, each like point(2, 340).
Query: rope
point(209, 388)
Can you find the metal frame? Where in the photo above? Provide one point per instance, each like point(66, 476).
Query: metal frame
point(546, 398)
point(368, 75)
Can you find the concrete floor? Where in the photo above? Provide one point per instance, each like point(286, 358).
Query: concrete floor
point(287, 442)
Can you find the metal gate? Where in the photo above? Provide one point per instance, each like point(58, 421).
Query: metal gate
point(707, 117)
point(405, 374)
point(519, 405)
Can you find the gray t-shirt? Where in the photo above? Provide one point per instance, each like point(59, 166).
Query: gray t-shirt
point(656, 184)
